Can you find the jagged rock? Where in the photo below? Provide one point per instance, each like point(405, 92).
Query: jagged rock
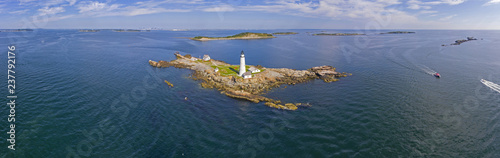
point(324, 70)
point(153, 63)
point(458, 42)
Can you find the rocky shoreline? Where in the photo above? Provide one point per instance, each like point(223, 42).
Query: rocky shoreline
point(252, 88)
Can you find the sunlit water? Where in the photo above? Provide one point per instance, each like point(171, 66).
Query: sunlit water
point(94, 94)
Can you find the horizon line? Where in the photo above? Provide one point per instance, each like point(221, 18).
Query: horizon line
point(188, 29)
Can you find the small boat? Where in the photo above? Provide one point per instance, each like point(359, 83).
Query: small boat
point(437, 75)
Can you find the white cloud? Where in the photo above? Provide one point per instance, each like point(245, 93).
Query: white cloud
point(383, 13)
point(25, 2)
point(153, 3)
point(103, 9)
point(53, 2)
point(44, 19)
point(390, 1)
point(49, 3)
point(428, 12)
point(19, 11)
point(71, 2)
point(355, 10)
point(221, 8)
point(50, 11)
point(418, 7)
point(447, 18)
point(418, 4)
point(142, 11)
point(330, 8)
point(47, 14)
point(492, 2)
point(292, 8)
point(84, 7)
point(453, 2)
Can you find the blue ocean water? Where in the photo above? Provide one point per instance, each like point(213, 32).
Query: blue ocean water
point(93, 94)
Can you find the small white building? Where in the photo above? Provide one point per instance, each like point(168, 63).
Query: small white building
point(246, 75)
point(206, 57)
point(216, 69)
point(254, 69)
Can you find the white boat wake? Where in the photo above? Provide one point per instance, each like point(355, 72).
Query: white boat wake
point(492, 85)
point(427, 70)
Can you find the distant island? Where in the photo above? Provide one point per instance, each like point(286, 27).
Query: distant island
point(285, 33)
point(16, 30)
point(250, 81)
point(337, 34)
point(130, 30)
point(398, 32)
point(91, 30)
point(245, 36)
point(458, 42)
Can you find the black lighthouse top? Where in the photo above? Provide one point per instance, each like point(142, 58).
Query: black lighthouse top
point(242, 53)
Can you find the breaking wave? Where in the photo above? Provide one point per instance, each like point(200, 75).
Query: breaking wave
point(427, 70)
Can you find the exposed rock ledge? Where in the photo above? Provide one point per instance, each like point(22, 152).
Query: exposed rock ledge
point(250, 89)
point(458, 42)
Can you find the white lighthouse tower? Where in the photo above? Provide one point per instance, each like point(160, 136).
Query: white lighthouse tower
point(242, 64)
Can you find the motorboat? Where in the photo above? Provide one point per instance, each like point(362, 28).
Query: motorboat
point(437, 75)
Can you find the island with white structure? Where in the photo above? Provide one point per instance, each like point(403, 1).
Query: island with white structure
point(235, 81)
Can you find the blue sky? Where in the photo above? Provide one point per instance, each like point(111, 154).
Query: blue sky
point(251, 14)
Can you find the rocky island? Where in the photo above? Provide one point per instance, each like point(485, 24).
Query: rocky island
point(244, 36)
point(17, 30)
point(130, 30)
point(458, 42)
point(337, 34)
point(88, 30)
point(285, 33)
point(248, 85)
point(398, 32)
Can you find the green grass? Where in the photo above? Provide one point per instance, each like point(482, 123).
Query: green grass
point(244, 34)
point(232, 70)
point(205, 62)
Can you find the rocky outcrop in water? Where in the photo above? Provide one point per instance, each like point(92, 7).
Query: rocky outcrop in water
point(250, 89)
point(337, 34)
point(398, 32)
point(458, 42)
point(327, 73)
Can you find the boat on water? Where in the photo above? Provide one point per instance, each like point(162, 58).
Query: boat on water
point(492, 85)
point(437, 75)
